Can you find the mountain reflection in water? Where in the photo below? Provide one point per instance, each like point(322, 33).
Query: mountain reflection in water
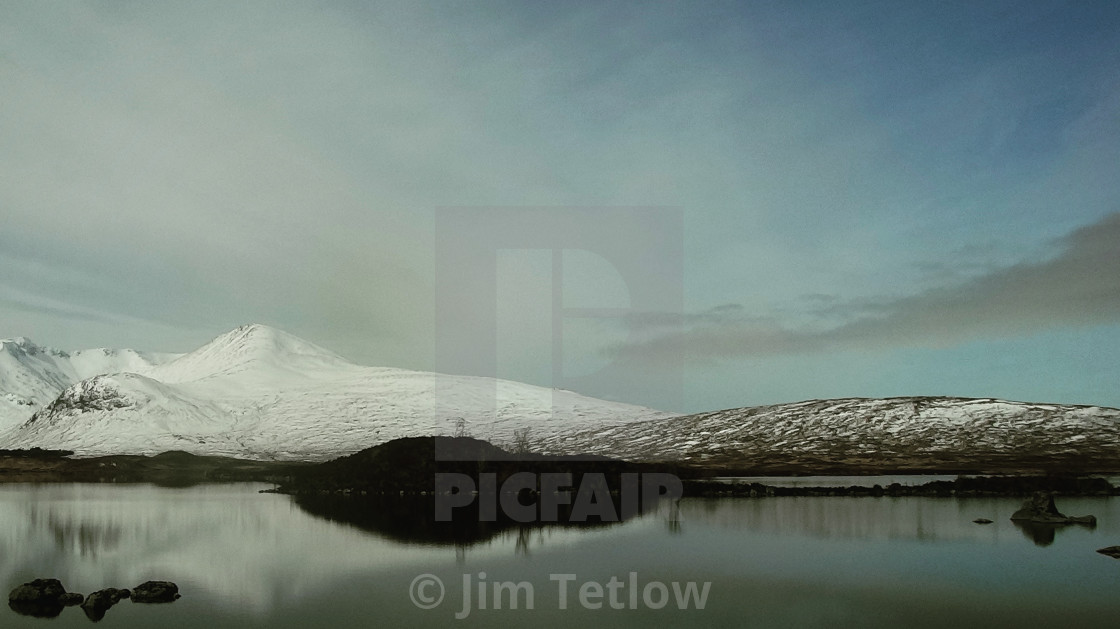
point(234, 551)
point(411, 519)
point(246, 548)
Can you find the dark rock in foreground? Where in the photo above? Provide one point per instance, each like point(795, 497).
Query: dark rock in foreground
point(1040, 508)
point(99, 602)
point(1111, 551)
point(39, 590)
point(155, 592)
point(42, 598)
point(45, 598)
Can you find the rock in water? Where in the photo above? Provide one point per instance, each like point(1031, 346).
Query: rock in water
point(1111, 551)
point(38, 590)
point(42, 598)
point(155, 592)
point(982, 521)
point(1040, 508)
point(99, 602)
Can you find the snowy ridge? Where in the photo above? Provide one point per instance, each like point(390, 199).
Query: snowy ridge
point(32, 375)
point(148, 414)
point(855, 430)
point(260, 393)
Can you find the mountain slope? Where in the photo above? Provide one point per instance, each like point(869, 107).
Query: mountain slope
point(122, 413)
point(855, 433)
point(257, 392)
point(31, 375)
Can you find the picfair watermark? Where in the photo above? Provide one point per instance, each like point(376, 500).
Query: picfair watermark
point(529, 497)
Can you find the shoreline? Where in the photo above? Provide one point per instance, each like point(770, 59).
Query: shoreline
point(183, 469)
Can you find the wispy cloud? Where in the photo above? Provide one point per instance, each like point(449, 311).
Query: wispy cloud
point(1080, 286)
point(201, 165)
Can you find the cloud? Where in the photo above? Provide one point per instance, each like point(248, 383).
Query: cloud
point(199, 166)
point(1080, 286)
point(19, 300)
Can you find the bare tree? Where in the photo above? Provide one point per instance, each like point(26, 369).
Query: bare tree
point(522, 444)
point(460, 427)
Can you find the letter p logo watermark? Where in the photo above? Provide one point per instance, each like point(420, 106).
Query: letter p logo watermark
point(537, 294)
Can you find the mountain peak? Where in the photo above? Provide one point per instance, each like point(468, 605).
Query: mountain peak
point(262, 338)
point(259, 330)
point(255, 329)
point(27, 346)
point(249, 347)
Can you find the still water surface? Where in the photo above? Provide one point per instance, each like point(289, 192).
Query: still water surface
point(244, 559)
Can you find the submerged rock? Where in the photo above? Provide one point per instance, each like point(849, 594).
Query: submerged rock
point(1111, 551)
point(1040, 508)
point(155, 592)
point(982, 521)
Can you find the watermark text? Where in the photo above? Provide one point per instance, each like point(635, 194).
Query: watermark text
point(478, 592)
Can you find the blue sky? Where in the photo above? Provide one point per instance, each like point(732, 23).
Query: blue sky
point(876, 198)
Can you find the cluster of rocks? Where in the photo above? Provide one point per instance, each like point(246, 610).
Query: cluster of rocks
point(45, 598)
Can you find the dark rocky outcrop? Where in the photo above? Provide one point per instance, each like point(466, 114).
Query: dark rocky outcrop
point(982, 521)
point(408, 466)
point(155, 592)
point(390, 489)
point(1111, 551)
point(99, 602)
point(1040, 508)
point(43, 598)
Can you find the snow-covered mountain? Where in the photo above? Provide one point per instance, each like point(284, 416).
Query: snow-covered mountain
point(31, 376)
point(858, 432)
point(258, 392)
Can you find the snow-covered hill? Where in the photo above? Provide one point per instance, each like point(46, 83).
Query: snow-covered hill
point(866, 432)
point(32, 376)
point(258, 392)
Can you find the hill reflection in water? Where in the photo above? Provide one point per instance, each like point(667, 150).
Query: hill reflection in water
point(411, 519)
point(230, 548)
point(246, 549)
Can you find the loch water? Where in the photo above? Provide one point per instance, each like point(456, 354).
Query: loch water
point(246, 559)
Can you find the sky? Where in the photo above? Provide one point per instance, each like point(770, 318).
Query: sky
point(831, 199)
